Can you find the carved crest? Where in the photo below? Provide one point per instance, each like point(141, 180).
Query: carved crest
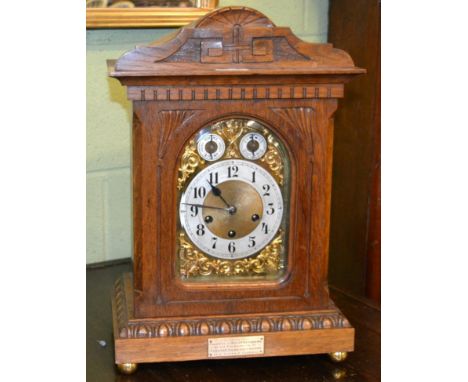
point(228, 41)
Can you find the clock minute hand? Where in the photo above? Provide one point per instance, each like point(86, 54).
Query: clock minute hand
point(203, 206)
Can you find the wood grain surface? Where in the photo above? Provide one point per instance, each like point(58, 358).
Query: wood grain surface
point(362, 365)
point(235, 41)
point(159, 290)
point(195, 348)
point(186, 338)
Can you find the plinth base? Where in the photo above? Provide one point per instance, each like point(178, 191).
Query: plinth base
point(223, 336)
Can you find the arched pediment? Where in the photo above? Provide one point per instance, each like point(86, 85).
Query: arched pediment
point(232, 40)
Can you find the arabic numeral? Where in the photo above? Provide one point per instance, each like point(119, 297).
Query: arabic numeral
point(214, 240)
point(232, 247)
point(200, 229)
point(194, 210)
point(199, 192)
point(232, 171)
point(270, 210)
point(253, 177)
point(252, 242)
point(214, 178)
point(266, 188)
point(265, 228)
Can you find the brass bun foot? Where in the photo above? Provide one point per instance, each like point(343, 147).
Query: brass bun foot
point(127, 368)
point(338, 356)
point(339, 374)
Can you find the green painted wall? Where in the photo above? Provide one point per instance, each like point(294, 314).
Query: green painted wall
point(108, 120)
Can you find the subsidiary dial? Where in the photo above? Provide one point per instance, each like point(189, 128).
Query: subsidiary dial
point(211, 147)
point(253, 146)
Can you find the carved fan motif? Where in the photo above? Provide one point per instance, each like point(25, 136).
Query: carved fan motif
point(230, 17)
point(169, 121)
point(302, 117)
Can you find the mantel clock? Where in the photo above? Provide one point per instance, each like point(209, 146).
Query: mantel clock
point(232, 160)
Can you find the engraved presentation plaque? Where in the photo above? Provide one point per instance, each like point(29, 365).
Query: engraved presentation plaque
point(236, 346)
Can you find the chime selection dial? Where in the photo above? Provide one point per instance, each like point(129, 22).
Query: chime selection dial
point(253, 146)
point(211, 147)
point(231, 209)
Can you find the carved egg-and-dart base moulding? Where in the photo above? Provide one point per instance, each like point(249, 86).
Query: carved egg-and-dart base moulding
point(232, 153)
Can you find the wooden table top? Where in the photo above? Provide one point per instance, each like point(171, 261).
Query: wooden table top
point(362, 365)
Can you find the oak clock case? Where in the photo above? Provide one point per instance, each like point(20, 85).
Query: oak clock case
point(232, 154)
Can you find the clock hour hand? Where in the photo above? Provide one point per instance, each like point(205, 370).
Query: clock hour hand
point(217, 192)
point(203, 206)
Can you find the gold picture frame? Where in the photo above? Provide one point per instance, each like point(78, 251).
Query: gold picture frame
point(140, 17)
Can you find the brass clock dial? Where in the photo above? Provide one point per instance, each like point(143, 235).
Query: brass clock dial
point(232, 209)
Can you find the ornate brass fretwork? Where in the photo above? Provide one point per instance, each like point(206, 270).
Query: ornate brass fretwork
point(231, 131)
point(195, 263)
point(189, 163)
point(273, 160)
